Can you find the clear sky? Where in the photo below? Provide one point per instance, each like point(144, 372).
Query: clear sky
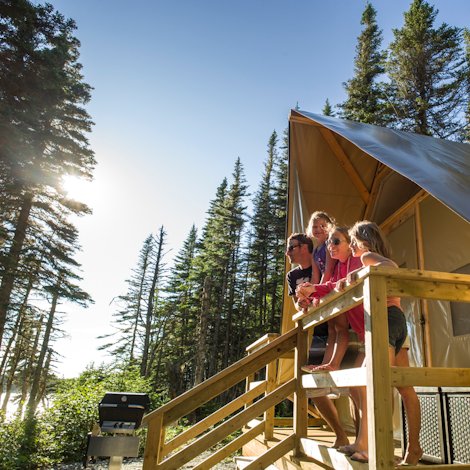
point(181, 89)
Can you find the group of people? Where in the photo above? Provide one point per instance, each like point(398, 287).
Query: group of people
point(325, 256)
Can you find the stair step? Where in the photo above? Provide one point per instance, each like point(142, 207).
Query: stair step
point(329, 456)
point(242, 462)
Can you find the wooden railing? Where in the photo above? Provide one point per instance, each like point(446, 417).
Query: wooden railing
point(371, 286)
point(196, 440)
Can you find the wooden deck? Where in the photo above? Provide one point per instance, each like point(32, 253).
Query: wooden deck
point(317, 446)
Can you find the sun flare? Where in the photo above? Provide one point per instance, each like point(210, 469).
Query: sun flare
point(77, 188)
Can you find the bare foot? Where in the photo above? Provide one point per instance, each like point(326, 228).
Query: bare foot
point(348, 449)
point(340, 442)
point(360, 456)
point(412, 457)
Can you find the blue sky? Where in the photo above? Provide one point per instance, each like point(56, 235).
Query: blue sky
point(181, 89)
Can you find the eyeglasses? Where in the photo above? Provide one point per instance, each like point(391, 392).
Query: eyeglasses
point(291, 247)
point(334, 241)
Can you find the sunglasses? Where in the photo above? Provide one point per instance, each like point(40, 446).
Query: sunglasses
point(291, 247)
point(334, 241)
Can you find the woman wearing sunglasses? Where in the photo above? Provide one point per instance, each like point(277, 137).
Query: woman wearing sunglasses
point(338, 247)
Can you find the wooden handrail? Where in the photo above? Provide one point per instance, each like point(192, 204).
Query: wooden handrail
point(208, 421)
point(215, 385)
point(228, 427)
point(267, 338)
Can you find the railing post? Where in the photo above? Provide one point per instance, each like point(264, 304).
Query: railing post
point(300, 395)
point(154, 443)
point(271, 371)
point(379, 391)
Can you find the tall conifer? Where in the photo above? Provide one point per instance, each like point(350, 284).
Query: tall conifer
point(364, 101)
point(425, 67)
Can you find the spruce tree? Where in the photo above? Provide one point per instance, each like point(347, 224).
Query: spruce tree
point(364, 101)
point(327, 109)
point(425, 67)
point(42, 126)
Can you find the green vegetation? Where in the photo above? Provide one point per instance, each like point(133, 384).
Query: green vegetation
point(177, 324)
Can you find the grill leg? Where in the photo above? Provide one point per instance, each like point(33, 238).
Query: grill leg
point(115, 463)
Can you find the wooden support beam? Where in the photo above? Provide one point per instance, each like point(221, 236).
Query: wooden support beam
point(215, 385)
point(430, 376)
point(346, 164)
point(231, 447)
point(379, 396)
point(429, 289)
point(382, 172)
point(331, 306)
point(154, 443)
point(403, 213)
point(234, 423)
point(354, 377)
point(300, 396)
point(214, 418)
point(273, 454)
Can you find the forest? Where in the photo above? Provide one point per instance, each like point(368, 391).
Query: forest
point(178, 322)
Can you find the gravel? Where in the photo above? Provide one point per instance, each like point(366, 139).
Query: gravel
point(136, 464)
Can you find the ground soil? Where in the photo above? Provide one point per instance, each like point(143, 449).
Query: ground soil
point(136, 464)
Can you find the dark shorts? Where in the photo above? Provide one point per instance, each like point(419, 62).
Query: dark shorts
point(396, 328)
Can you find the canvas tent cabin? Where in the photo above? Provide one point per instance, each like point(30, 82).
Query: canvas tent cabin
point(417, 188)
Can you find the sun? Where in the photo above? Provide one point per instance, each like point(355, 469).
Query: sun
point(76, 188)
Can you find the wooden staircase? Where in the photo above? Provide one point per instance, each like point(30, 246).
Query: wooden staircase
point(297, 448)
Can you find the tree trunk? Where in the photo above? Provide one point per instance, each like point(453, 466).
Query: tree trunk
point(150, 308)
point(12, 260)
point(201, 345)
point(33, 395)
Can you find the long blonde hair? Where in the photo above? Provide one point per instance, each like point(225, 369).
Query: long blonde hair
point(371, 237)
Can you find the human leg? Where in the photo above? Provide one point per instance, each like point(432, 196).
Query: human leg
point(413, 413)
point(329, 413)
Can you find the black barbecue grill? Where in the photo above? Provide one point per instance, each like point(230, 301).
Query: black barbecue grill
point(120, 414)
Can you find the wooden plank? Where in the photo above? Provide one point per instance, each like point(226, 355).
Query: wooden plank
point(271, 374)
point(379, 396)
point(230, 448)
point(355, 377)
point(430, 376)
point(300, 395)
point(333, 305)
point(406, 211)
point(417, 275)
point(289, 422)
point(214, 418)
point(215, 385)
point(268, 337)
point(449, 466)
point(154, 443)
point(382, 172)
point(329, 458)
point(346, 164)
point(434, 289)
point(228, 427)
point(426, 338)
point(271, 455)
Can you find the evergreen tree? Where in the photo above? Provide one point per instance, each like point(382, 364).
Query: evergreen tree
point(327, 109)
point(465, 135)
point(364, 101)
point(42, 125)
point(426, 67)
point(181, 307)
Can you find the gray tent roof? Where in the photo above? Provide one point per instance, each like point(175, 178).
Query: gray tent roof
point(441, 167)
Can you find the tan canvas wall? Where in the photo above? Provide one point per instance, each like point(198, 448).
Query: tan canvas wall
point(446, 239)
